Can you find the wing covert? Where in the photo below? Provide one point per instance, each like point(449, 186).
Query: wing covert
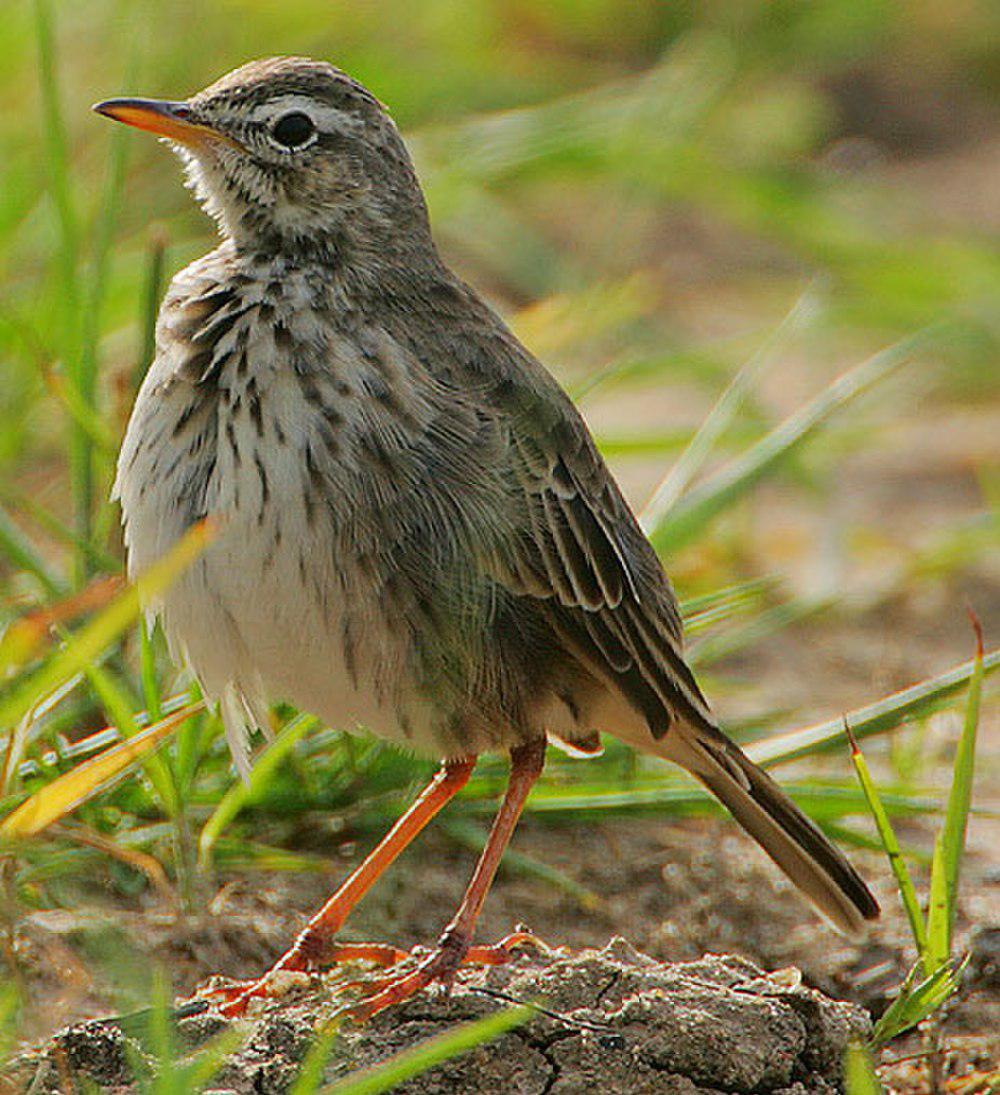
point(580, 550)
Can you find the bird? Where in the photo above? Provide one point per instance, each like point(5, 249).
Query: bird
point(417, 535)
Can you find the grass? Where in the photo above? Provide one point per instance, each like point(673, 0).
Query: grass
point(552, 150)
point(936, 977)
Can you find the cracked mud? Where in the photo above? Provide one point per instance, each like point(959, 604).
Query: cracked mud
point(613, 1019)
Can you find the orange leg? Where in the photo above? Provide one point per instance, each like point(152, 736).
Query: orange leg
point(455, 943)
point(316, 944)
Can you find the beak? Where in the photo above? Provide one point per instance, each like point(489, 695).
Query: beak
point(162, 117)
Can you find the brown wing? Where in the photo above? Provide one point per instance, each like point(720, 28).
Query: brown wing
point(569, 539)
point(580, 549)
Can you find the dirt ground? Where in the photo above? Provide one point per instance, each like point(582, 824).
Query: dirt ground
point(675, 891)
point(613, 1018)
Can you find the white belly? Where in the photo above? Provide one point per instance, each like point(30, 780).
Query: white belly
point(261, 616)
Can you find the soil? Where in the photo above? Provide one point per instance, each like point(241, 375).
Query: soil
point(678, 892)
point(612, 1018)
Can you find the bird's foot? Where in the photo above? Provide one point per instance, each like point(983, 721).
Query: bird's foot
point(294, 969)
point(452, 951)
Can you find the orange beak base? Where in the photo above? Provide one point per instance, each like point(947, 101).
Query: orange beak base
point(159, 116)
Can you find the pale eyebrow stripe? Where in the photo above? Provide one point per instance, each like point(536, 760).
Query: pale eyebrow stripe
point(326, 117)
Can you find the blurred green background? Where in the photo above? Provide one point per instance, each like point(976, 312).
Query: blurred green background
point(645, 155)
point(664, 199)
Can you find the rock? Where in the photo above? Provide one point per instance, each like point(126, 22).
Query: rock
point(612, 1020)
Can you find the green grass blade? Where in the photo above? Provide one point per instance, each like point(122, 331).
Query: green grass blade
point(54, 134)
point(98, 272)
point(311, 1073)
point(721, 417)
point(242, 793)
point(442, 1047)
point(754, 630)
point(162, 1039)
point(150, 304)
point(84, 392)
point(147, 671)
point(904, 883)
point(940, 910)
point(950, 843)
point(20, 552)
point(239, 854)
point(67, 294)
point(916, 1002)
point(118, 706)
point(667, 792)
point(473, 837)
point(859, 1071)
point(918, 701)
point(81, 412)
point(56, 528)
point(194, 743)
point(724, 601)
point(193, 1076)
point(688, 518)
point(10, 1009)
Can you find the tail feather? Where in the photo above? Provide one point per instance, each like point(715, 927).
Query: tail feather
point(795, 843)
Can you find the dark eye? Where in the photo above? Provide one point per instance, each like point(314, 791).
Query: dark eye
point(293, 129)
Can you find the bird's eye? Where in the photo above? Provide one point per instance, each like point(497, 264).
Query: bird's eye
point(294, 129)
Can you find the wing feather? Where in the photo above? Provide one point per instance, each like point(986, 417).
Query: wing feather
point(582, 552)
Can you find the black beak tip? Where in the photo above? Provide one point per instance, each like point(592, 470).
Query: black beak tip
point(110, 107)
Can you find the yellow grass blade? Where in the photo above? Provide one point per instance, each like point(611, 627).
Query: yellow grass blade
point(70, 790)
point(87, 644)
point(25, 637)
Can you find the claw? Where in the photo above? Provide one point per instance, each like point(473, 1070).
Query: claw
point(232, 997)
point(440, 965)
point(497, 954)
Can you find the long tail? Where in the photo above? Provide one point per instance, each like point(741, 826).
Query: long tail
point(798, 847)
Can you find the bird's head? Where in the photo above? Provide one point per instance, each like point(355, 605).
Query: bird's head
point(289, 154)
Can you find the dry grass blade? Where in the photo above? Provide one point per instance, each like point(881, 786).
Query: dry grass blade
point(132, 857)
point(81, 650)
point(65, 794)
point(24, 637)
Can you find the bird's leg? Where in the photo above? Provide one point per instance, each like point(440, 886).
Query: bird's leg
point(316, 944)
point(455, 943)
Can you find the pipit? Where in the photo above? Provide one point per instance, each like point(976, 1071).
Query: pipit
point(418, 534)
